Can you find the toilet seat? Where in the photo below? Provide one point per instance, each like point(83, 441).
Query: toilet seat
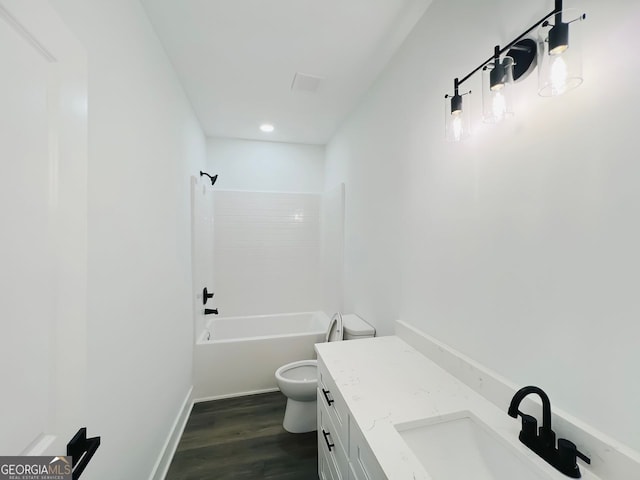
point(303, 371)
point(335, 332)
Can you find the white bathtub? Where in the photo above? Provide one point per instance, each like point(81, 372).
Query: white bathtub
point(239, 355)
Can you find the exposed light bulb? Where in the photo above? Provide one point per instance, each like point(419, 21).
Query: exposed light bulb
point(499, 106)
point(559, 75)
point(560, 49)
point(456, 125)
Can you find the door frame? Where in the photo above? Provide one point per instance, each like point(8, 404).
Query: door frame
point(39, 24)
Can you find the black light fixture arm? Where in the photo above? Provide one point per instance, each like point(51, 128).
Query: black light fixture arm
point(499, 51)
point(457, 97)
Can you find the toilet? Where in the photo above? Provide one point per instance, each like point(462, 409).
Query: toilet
point(298, 381)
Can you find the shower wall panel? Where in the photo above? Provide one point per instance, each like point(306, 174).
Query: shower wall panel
point(266, 252)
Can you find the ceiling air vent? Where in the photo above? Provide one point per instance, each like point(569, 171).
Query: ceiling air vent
point(303, 82)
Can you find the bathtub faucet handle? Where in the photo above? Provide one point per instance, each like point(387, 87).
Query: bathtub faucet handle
point(208, 311)
point(206, 295)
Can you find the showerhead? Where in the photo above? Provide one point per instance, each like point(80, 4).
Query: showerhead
point(213, 179)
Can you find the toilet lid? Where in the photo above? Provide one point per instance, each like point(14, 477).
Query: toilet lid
point(335, 332)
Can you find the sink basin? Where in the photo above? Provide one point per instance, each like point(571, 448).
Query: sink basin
point(461, 447)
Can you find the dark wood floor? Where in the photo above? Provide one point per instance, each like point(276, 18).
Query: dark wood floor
point(242, 438)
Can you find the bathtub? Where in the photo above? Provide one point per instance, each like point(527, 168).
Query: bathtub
point(239, 355)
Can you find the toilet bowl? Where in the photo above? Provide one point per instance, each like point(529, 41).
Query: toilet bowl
point(298, 381)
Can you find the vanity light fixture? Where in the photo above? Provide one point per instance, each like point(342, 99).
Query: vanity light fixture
point(497, 81)
point(457, 119)
point(498, 75)
point(559, 62)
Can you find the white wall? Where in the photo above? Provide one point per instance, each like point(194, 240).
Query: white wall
point(144, 142)
point(266, 252)
point(332, 250)
point(366, 156)
point(265, 166)
point(518, 248)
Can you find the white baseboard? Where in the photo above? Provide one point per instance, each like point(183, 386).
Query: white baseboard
point(233, 395)
point(171, 444)
point(610, 459)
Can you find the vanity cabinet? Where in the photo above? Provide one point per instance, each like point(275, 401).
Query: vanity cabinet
point(343, 453)
point(332, 451)
point(363, 462)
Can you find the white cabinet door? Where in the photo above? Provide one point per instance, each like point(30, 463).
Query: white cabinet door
point(43, 230)
point(364, 463)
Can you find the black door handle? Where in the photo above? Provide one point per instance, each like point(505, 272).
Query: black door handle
point(81, 449)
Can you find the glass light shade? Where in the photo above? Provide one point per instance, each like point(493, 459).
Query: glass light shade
point(457, 118)
point(559, 54)
point(497, 91)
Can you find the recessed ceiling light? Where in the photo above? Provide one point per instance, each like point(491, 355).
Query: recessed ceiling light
point(267, 127)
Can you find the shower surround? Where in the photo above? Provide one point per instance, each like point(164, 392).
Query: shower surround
point(266, 253)
point(274, 255)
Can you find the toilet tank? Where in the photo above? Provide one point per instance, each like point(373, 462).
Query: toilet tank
point(355, 327)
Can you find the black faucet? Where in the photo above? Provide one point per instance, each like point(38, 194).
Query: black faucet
point(543, 441)
point(209, 311)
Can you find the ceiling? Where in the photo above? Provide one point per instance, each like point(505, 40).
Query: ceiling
point(237, 59)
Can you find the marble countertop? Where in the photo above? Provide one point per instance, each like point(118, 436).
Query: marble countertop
point(385, 382)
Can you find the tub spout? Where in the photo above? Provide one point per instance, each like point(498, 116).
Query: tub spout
point(208, 311)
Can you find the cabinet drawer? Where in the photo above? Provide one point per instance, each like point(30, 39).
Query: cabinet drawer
point(330, 444)
point(356, 472)
point(330, 397)
point(364, 464)
point(352, 473)
point(327, 469)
